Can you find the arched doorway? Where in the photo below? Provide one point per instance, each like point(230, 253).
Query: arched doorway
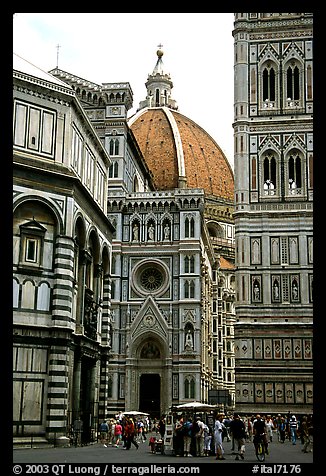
point(149, 394)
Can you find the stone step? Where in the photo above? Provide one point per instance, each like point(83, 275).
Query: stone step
point(30, 442)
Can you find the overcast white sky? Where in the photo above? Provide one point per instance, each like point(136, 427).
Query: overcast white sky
point(116, 47)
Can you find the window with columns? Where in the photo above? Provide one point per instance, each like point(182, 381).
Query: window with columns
point(189, 227)
point(189, 387)
point(295, 168)
point(114, 146)
point(189, 264)
point(269, 174)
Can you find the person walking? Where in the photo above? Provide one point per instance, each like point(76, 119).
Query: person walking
point(141, 436)
point(270, 428)
point(218, 440)
point(104, 429)
point(293, 425)
point(281, 429)
point(111, 425)
point(130, 433)
point(305, 430)
point(238, 433)
point(117, 434)
point(161, 427)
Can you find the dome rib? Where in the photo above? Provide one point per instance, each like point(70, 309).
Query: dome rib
point(179, 148)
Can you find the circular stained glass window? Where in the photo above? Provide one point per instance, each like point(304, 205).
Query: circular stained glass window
point(151, 279)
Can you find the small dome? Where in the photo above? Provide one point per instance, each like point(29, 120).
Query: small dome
point(180, 153)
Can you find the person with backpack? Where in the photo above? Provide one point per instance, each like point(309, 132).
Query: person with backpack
point(198, 430)
point(104, 429)
point(238, 432)
point(187, 434)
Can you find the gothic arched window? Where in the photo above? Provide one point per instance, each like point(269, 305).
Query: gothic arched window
point(189, 289)
point(269, 174)
point(114, 147)
point(114, 170)
point(189, 227)
point(294, 173)
point(269, 84)
point(157, 97)
point(189, 264)
point(189, 385)
point(292, 82)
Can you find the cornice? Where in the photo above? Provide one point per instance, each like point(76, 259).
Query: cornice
point(39, 94)
point(42, 83)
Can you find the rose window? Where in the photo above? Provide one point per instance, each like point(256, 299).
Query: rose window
point(151, 279)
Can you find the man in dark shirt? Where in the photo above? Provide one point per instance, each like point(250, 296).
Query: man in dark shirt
point(238, 433)
point(260, 432)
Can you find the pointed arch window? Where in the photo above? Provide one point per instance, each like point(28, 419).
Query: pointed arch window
point(189, 227)
point(309, 82)
point(189, 388)
point(189, 264)
point(295, 174)
point(189, 289)
point(114, 170)
point(114, 146)
point(135, 184)
point(269, 84)
point(269, 171)
point(157, 97)
point(292, 82)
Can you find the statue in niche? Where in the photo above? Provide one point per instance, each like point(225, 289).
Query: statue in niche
point(135, 230)
point(276, 294)
point(150, 232)
point(189, 341)
point(256, 291)
point(295, 292)
point(166, 232)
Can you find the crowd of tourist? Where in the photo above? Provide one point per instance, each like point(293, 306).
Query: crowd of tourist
point(203, 435)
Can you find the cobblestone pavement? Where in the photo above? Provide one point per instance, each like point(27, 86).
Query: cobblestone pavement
point(96, 453)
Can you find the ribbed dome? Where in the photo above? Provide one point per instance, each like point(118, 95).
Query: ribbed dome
point(180, 153)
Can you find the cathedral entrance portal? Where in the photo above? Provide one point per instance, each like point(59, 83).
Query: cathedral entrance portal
point(149, 394)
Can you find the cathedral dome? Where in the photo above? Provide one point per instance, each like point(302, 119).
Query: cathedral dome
point(178, 152)
point(181, 154)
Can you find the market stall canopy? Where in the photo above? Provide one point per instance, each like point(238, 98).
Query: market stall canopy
point(199, 406)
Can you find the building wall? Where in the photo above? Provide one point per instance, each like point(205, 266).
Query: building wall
point(62, 243)
point(273, 213)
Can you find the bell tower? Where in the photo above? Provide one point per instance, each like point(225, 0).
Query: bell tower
point(273, 133)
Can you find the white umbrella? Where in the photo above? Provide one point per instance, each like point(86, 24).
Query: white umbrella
point(195, 406)
point(135, 413)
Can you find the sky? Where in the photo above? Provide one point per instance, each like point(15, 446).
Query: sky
point(121, 47)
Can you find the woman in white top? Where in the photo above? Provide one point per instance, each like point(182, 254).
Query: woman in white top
point(270, 427)
point(218, 430)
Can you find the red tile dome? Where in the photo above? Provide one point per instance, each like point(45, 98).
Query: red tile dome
point(180, 153)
